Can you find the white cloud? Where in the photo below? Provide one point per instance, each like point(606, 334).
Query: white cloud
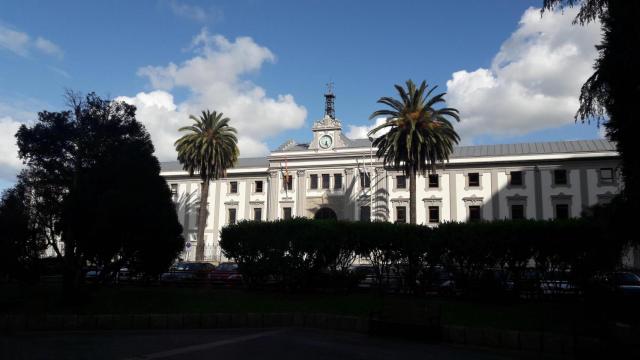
point(9, 162)
point(48, 47)
point(21, 43)
point(534, 80)
point(193, 12)
point(214, 78)
point(361, 132)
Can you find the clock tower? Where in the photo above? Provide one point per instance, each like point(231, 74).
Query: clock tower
point(327, 132)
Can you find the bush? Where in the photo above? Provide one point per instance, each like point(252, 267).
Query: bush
point(483, 256)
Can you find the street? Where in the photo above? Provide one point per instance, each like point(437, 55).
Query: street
point(286, 343)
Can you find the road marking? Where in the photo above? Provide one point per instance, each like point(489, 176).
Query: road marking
point(192, 348)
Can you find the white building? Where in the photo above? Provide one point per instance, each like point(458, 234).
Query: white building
point(333, 175)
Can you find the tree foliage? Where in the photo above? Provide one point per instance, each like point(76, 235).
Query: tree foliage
point(419, 134)
point(208, 148)
point(612, 93)
point(95, 186)
point(20, 245)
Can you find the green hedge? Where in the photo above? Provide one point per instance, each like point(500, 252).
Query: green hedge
point(300, 251)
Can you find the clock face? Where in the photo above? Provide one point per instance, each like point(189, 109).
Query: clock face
point(325, 141)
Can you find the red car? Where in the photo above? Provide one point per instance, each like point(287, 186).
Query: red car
point(226, 274)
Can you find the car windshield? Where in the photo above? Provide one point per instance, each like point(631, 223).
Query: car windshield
point(228, 267)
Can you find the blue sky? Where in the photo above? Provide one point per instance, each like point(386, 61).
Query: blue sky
point(517, 77)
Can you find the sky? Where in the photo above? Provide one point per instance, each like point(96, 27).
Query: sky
point(513, 74)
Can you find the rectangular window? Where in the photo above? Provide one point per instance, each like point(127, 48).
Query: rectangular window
point(401, 214)
point(365, 213)
point(232, 216)
point(286, 213)
point(287, 182)
point(474, 179)
point(474, 213)
point(516, 178)
point(560, 177)
point(257, 214)
point(401, 182)
point(365, 180)
point(434, 214)
point(233, 187)
point(562, 211)
point(258, 186)
point(174, 191)
point(313, 181)
point(434, 181)
point(326, 179)
point(606, 175)
point(337, 181)
point(517, 211)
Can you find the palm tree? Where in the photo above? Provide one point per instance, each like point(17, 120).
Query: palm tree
point(418, 137)
point(209, 148)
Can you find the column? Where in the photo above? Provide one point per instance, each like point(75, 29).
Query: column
point(349, 186)
point(301, 193)
point(272, 198)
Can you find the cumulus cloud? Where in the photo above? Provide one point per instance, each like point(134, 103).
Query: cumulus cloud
point(361, 132)
point(215, 80)
point(534, 80)
point(20, 43)
point(9, 162)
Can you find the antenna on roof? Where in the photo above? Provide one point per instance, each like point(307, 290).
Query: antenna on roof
point(329, 97)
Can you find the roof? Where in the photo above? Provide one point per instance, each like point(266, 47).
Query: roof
point(537, 148)
point(248, 162)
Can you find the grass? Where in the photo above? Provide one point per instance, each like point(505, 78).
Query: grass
point(49, 299)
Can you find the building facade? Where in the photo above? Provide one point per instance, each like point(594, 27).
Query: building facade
point(333, 176)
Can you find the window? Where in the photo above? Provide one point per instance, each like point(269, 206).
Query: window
point(606, 176)
point(516, 178)
point(434, 181)
point(517, 211)
point(474, 179)
point(313, 181)
point(233, 187)
point(337, 181)
point(434, 214)
point(288, 182)
point(560, 177)
point(365, 180)
point(474, 213)
point(174, 191)
point(232, 216)
point(401, 214)
point(286, 213)
point(257, 214)
point(401, 182)
point(258, 185)
point(562, 211)
point(365, 213)
point(326, 179)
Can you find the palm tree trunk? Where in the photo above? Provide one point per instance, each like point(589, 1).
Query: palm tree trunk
point(202, 220)
point(412, 196)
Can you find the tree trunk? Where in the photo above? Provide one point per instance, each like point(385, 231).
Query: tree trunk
point(412, 196)
point(202, 220)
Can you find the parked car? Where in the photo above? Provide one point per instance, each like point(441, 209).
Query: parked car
point(620, 282)
point(226, 274)
point(437, 280)
point(391, 281)
point(188, 272)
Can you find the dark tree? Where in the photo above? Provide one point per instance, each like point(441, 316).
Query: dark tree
point(611, 95)
point(18, 240)
point(97, 188)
